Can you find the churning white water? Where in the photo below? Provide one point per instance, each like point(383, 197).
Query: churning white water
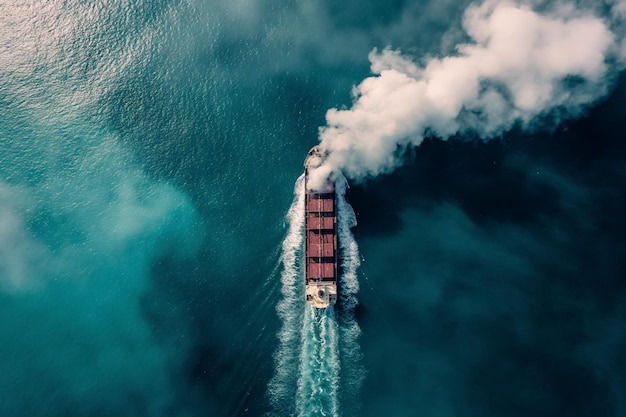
point(318, 357)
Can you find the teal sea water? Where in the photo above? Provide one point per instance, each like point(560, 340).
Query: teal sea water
point(149, 153)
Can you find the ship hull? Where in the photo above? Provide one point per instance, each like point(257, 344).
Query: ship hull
point(321, 244)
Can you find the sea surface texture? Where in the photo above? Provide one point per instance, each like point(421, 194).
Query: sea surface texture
point(151, 201)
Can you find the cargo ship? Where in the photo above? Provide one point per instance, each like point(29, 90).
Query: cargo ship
point(320, 243)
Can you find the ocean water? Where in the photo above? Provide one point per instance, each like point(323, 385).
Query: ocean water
point(149, 225)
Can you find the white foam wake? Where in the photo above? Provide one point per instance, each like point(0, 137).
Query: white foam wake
point(352, 370)
point(318, 357)
point(290, 309)
point(318, 379)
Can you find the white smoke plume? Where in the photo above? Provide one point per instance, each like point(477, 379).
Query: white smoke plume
point(517, 66)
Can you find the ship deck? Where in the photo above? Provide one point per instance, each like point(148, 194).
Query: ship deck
point(321, 248)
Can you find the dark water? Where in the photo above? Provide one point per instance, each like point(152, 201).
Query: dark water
point(148, 155)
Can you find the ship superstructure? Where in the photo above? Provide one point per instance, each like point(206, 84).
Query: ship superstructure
point(320, 243)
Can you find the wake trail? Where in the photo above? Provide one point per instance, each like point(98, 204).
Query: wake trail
point(318, 380)
point(317, 363)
